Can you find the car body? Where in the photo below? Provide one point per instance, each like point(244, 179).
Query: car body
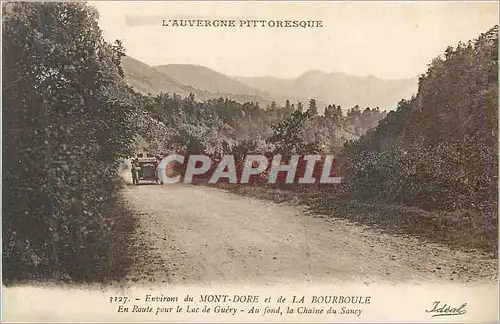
point(145, 168)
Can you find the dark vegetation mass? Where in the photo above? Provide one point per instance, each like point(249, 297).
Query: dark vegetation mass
point(69, 119)
point(220, 126)
point(439, 150)
point(66, 125)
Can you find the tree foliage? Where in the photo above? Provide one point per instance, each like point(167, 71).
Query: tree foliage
point(66, 125)
point(219, 125)
point(439, 149)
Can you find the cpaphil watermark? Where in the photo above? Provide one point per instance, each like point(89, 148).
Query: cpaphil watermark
point(302, 169)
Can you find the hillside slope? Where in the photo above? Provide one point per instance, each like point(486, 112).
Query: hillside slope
point(439, 150)
point(146, 79)
point(203, 78)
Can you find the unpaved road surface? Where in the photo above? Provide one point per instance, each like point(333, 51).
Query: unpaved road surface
point(194, 234)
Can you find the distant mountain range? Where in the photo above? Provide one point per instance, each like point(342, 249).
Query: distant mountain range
point(340, 89)
point(148, 79)
point(326, 88)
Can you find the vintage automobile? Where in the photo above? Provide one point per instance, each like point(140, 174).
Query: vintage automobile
point(145, 170)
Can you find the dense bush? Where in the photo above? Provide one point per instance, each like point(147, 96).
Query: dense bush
point(439, 150)
point(66, 125)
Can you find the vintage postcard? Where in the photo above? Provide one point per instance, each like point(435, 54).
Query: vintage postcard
point(250, 161)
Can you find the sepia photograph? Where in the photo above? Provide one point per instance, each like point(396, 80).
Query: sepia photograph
point(250, 161)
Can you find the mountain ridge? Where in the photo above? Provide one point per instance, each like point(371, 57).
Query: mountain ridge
point(326, 88)
point(340, 88)
point(148, 80)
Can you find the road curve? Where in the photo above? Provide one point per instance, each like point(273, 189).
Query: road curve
point(194, 234)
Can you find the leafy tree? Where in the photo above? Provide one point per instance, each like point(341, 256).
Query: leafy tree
point(439, 149)
point(329, 111)
point(288, 136)
point(66, 126)
point(287, 105)
point(313, 109)
point(300, 106)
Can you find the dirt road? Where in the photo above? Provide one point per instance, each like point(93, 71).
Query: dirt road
point(192, 234)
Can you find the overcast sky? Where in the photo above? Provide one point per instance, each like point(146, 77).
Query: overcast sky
point(385, 39)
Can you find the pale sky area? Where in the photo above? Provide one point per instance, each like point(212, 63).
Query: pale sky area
point(385, 39)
